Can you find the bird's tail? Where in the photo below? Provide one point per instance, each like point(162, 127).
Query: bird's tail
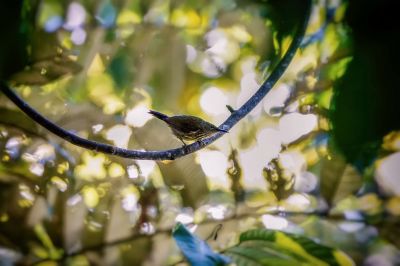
point(158, 115)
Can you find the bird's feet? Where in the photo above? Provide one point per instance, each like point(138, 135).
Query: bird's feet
point(184, 146)
point(201, 142)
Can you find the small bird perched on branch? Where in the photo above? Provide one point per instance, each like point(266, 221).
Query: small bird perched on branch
point(187, 127)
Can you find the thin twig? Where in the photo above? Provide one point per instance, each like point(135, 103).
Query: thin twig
point(172, 153)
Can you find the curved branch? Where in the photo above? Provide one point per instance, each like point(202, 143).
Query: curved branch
point(172, 154)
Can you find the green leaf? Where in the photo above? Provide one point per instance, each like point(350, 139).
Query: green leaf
point(268, 247)
point(336, 70)
point(267, 235)
point(18, 120)
point(255, 256)
point(366, 98)
point(46, 70)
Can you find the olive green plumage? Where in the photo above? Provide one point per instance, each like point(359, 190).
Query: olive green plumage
point(187, 127)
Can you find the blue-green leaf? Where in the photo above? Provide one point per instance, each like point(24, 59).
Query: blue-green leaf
point(106, 14)
point(196, 251)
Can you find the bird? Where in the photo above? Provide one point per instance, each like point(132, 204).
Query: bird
point(188, 127)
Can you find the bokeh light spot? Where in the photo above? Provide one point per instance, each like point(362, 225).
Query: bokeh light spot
point(213, 101)
point(119, 135)
point(138, 116)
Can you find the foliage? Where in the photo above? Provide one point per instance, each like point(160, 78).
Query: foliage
point(285, 183)
point(260, 247)
point(268, 247)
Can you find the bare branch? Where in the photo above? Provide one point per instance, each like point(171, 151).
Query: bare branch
point(167, 231)
point(171, 154)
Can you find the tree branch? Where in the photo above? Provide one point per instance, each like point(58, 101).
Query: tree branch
point(168, 231)
point(171, 154)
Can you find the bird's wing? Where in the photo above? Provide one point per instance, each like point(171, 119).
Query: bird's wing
point(185, 124)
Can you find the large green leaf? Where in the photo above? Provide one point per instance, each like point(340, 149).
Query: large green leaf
point(255, 255)
point(268, 247)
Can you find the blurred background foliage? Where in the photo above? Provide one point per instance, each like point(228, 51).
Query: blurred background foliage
point(318, 157)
